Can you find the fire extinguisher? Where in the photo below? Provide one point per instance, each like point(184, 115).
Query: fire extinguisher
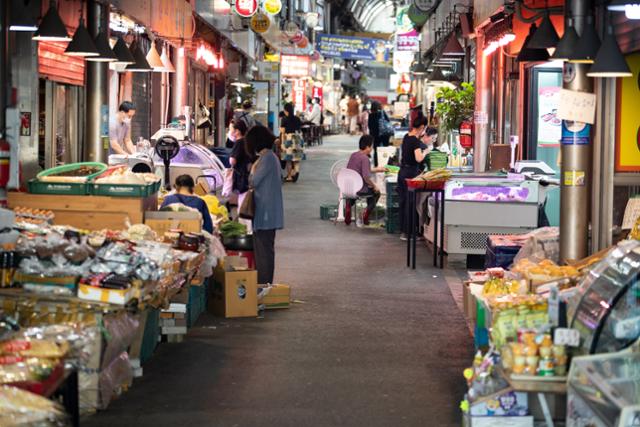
point(5, 155)
point(466, 134)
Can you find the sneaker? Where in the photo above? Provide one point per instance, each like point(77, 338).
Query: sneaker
point(403, 237)
point(420, 238)
point(347, 213)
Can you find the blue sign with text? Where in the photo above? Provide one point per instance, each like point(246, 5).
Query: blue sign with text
point(354, 48)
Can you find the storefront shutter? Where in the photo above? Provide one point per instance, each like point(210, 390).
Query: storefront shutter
point(140, 97)
point(54, 65)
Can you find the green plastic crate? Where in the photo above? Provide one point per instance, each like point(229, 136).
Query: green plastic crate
point(64, 188)
point(71, 166)
point(123, 190)
point(328, 211)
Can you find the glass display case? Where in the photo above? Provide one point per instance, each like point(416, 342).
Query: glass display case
point(492, 190)
point(604, 390)
point(195, 160)
point(606, 310)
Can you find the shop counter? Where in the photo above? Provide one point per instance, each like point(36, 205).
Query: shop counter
point(88, 212)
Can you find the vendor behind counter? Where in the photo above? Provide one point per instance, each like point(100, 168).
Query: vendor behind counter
point(184, 195)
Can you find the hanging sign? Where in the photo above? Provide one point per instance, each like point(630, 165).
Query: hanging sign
point(294, 66)
point(260, 23)
point(246, 8)
point(408, 42)
point(354, 48)
point(273, 7)
point(300, 94)
point(417, 16)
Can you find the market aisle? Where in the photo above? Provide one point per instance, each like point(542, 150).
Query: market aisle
point(371, 343)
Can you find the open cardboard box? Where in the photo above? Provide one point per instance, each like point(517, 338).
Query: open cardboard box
point(235, 289)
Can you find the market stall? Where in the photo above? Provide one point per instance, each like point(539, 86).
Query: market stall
point(530, 321)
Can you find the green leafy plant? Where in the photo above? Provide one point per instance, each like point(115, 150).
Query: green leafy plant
point(455, 105)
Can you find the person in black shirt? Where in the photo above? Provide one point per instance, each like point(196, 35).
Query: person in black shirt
point(413, 153)
point(240, 162)
point(291, 143)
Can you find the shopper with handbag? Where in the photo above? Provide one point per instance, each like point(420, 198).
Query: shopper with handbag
point(264, 201)
point(380, 128)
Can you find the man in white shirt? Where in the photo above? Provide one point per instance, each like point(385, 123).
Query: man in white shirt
point(316, 112)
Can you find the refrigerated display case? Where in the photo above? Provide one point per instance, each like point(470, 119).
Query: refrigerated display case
point(604, 390)
point(479, 206)
point(606, 310)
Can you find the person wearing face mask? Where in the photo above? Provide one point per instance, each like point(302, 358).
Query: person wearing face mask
point(120, 131)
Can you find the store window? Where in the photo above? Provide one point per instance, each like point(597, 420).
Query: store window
point(545, 127)
point(60, 123)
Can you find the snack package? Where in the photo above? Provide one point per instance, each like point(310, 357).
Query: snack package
point(22, 408)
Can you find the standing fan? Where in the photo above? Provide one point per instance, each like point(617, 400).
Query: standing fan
point(335, 170)
point(167, 147)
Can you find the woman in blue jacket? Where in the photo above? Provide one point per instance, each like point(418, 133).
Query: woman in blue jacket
point(266, 181)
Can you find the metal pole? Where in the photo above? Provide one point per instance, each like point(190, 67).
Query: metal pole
point(500, 97)
point(575, 179)
point(483, 102)
point(4, 65)
point(97, 90)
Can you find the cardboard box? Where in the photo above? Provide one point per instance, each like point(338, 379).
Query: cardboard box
point(507, 404)
point(163, 221)
point(235, 289)
point(468, 302)
point(278, 296)
point(526, 421)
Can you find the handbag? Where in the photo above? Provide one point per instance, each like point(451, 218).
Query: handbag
point(248, 208)
point(384, 125)
point(227, 186)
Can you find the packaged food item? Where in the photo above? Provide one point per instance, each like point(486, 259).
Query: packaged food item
point(22, 408)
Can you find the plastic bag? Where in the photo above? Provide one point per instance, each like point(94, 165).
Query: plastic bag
point(118, 375)
point(227, 186)
point(543, 243)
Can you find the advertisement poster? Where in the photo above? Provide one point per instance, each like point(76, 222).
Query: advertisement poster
point(354, 48)
point(628, 119)
point(549, 125)
point(408, 42)
point(294, 66)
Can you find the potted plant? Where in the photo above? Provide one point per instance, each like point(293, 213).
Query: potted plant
point(454, 106)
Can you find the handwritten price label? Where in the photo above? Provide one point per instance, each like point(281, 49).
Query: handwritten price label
point(566, 336)
point(577, 106)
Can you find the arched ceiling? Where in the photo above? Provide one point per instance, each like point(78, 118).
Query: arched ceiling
point(374, 15)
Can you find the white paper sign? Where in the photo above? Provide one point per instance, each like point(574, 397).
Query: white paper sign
point(566, 336)
point(577, 106)
point(631, 213)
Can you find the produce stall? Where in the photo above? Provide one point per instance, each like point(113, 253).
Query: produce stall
point(531, 320)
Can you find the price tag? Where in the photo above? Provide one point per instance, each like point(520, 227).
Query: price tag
point(566, 336)
point(577, 106)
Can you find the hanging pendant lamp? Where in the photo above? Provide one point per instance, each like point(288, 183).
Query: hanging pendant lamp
point(51, 28)
point(166, 62)
point(609, 61)
point(587, 48)
point(141, 65)
point(546, 36)
point(419, 69)
point(529, 54)
point(436, 76)
point(105, 53)
point(21, 17)
point(453, 47)
point(567, 43)
point(153, 58)
point(81, 43)
point(123, 54)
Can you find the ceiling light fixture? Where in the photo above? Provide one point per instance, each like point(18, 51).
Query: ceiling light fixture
point(453, 47)
point(166, 62)
point(587, 48)
point(631, 9)
point(105, 53)
point(141, 65)
point(610, 61)
point(21, 17)
point(81, 43)
point(123, 54)
point(546, 37)
point(529, 54)
point(566, 44)
point(51, 28)
point(153, 58)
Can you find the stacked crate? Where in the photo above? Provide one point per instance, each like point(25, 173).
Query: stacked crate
point(173, 320)
point(392, 222)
